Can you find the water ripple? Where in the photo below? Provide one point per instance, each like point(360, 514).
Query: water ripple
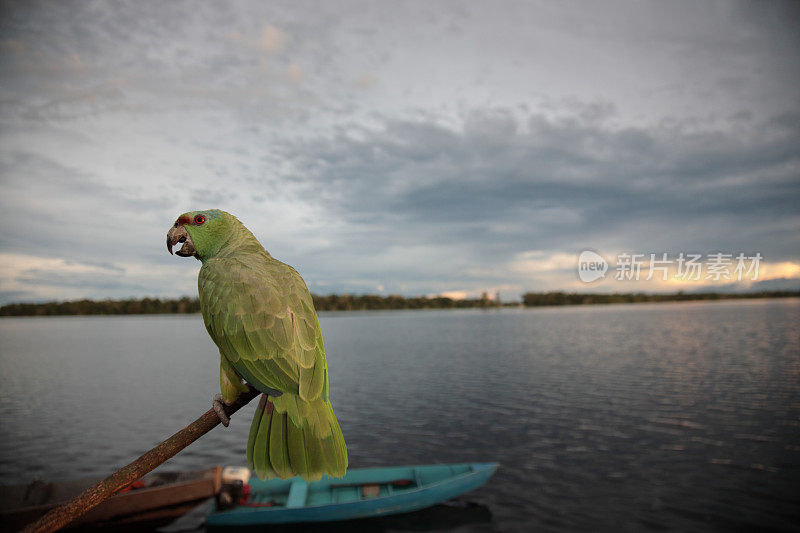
point(665, 416)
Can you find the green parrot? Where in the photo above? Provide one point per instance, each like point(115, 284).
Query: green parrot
point(260, 314)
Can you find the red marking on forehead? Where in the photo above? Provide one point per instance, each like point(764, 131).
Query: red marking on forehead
point(184, 219)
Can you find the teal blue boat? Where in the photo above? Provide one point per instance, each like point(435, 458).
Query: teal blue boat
point(361, 493)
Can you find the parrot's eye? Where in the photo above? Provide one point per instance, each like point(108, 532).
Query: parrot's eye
point(199, 219)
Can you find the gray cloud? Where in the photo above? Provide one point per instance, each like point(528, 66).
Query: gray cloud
point(506, 184)
point(62, 212)
point(90, 281)
point(430, 155)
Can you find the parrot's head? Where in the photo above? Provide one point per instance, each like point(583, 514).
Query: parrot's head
point(202, 233)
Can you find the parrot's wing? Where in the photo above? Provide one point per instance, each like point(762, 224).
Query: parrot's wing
point(261, 315)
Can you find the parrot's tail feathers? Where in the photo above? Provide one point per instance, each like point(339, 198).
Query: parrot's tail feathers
point(292, 437)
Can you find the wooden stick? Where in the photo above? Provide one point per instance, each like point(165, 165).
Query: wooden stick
point(63, 515)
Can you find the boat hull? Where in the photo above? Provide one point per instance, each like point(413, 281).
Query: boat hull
point(163, 497)
point(426, 494)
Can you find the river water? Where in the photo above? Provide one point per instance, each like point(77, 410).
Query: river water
point(678, 416)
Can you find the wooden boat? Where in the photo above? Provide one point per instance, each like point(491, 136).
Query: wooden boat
point(361, 493)
point(156, 498)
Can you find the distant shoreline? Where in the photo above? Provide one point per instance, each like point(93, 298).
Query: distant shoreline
point(371, 302)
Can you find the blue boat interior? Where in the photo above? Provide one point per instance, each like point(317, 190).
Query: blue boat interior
point(356, 485)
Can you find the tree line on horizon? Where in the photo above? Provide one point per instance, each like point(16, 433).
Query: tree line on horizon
point(369, 302)
point(540, 299)
point(186, 305)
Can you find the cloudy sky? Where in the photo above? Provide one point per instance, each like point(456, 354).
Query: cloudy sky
point(396, 147)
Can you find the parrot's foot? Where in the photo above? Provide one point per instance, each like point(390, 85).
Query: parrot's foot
point(219, 403)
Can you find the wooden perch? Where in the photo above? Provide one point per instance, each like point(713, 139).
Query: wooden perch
point(63, 515)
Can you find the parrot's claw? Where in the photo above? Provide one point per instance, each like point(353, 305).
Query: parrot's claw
point(219, 403)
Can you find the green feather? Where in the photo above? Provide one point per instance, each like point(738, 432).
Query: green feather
point(297, 449)
point(278, 454)
point(251, 438)
point(260, 452)
point(316, 460)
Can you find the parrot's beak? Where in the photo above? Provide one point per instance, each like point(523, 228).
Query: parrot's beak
point(176, 234)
